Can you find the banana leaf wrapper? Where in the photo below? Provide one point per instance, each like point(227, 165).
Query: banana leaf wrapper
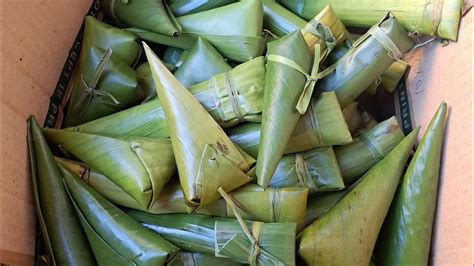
point(146, 120)
point(321, 203)
point(322, 125)
point(140, 166)
point(152, 15)
point(368, 149)
point(411, 215)
point(224, 237)
point(280, 114)
point(202, 63)
point(279, 20)
point(236, 95)
point(235, 30)
point(353, 117)
point(114, 236)
point(186, 7)
point(325, 29)
point(392, 76)
point(103, 85)
point(174, 56)
point(199, 259)
point(145, 80)
point(205, 156)
point(60, 227)
point(435, 18)
point(316, 169)
point(353, 224)
point(376, 50)
point(254, 203)
point(183, 41)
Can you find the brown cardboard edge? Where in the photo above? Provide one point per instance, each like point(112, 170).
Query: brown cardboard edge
point(14, 258)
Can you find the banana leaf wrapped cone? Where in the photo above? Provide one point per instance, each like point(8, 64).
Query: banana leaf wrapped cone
point(322, 125)
point(103, 83)
point(375, 51)
point(406, 234)
point(114, 236)
point(140, 166)
point(321, 203)
point(368, 149)
point(279, 20)
point(273, 243)
point(152, 15)
point(235, 30)
point(202, 63)
point(205, 156)
point(236, 95)
point(353, 224)
point(288, 58)
point(145, 120)
point(60, 227)
point(185, 7)
point(420, 16)
point(316, 169)
point(199, 259)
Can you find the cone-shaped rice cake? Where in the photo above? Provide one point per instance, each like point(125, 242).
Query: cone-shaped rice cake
point(206, 158)
point(347, 233)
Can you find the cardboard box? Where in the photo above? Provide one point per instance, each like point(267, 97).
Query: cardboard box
point(36, 38)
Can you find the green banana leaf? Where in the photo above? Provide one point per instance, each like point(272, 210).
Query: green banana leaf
point(392, 76)
point(145, 80)
point(175, 56)
point(186, 7)
point(322, 125)
point(325, 29)
point(279, 20)
point(280, 115)
point(100, 183)
point(224, 237)
point(115, 238)
point(60, 227)
point(439, 18)
point(321, 203)
point(104, 85)
point(368, 149)
point(123, 44)
point(235, 30)
point(152, 15)
point(202, 63)
point(146, 120)
point(183, 41)
point(316, 169)
point(236, 95)
point(346, 234)
point(199, 259)
point(140, 166)
point(411, 216)
point(363, 64)
point(206, 158)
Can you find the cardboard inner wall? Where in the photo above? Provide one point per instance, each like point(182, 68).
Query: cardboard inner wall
point(37, 35)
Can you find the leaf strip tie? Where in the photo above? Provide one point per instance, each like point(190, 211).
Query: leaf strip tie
point(374, 149)
point(308, 88)
point(233, 97)
point(90, 91)
point(302, 172)
point(386, 42)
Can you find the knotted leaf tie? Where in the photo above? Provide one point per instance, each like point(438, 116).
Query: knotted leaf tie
point(323, 33)
point(302, 172)
point(375, 150)
point(90, 91)
point(308, 88)
point(253, 237)
point(232, 93)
